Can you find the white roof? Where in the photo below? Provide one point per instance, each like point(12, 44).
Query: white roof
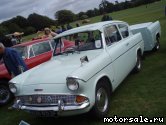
point(138, 26)
point(90, 27)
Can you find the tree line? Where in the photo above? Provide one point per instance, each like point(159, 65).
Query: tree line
point(36, 22)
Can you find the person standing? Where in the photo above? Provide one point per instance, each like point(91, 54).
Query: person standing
point(49, 33)
point(58, 30)
point(106, 17)
point(77, 25)
point(69, 26)
point(14, 63)
point(14, 40)
point(63, 28)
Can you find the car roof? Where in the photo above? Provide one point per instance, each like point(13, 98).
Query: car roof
point(90, 27)
point(28, 43)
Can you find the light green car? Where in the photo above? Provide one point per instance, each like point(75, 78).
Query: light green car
point(81, 78)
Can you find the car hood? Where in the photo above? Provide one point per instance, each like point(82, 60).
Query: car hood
point(57, 69)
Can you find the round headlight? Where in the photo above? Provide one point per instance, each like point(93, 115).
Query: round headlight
point(13, 88)
point(72, 84)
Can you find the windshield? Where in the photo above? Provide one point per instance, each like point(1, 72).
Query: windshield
point(84, 41)
point(22, 50)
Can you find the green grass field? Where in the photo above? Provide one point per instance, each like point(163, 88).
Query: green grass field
point(140, 94)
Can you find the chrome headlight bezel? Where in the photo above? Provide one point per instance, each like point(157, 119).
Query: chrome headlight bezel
point(72, 84)
point(12, 87)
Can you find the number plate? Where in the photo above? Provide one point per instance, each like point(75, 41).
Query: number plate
point(44, 113)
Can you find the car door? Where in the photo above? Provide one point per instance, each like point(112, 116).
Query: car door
point(39, 53)
point(117, 49)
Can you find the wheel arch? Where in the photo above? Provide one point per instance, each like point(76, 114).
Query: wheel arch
point(157, 35)
point(107, 81)
point(139, 51)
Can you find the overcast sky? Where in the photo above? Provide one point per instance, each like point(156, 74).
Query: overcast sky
point(12, 8)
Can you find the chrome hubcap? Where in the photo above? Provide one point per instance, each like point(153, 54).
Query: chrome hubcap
point(102, 100)
point(158, 46)
point(139, 64)
point(4, 95)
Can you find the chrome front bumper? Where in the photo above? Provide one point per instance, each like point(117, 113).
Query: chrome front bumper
point(59, 109)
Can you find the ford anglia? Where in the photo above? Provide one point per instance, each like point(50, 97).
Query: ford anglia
point(80, 79)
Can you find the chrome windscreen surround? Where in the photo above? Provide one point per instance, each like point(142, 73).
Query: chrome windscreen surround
point(44, 100)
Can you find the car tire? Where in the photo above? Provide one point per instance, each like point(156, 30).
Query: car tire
point(102, 100)
point(157, 46)
point(5, 95)
point(138, 65)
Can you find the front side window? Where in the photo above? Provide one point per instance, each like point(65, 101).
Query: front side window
point(112, 35)
point(83, 41)
point(40, 48)
point(124, 30)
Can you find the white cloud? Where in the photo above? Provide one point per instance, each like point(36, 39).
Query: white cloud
point(11, 8)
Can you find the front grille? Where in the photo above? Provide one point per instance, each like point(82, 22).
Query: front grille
point(47, 99)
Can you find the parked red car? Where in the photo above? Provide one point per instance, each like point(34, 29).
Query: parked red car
point(34, 53)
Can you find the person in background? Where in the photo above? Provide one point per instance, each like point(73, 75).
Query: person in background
point(58, 30)
point(14, 40)
point(106, 17)
point(6, 41)
point(77, 25)
point(63, 28)
point(69, 26)
point(49, 33)
point(14, 63)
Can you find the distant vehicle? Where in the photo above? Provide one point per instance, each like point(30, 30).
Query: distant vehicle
point(34, 53)
point(81, 78)
point(151, 33)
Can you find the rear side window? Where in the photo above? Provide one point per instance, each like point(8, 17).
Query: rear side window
point(124, 30)
point(42, 47)
point(111, 35)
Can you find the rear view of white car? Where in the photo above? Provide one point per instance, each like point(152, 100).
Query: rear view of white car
point(151, 33)
point(80, 79)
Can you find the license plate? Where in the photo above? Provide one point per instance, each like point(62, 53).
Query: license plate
point(44, 113)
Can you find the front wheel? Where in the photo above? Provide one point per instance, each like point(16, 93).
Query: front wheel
point(5, 95)
point(102, 101)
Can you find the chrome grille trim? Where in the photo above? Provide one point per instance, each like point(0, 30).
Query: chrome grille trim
point(31, 100)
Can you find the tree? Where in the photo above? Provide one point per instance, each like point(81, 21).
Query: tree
point(29, 30)
point(65, 16)
point(90, 13)
point(3, 30)
point(14, 28)
point(40, 22)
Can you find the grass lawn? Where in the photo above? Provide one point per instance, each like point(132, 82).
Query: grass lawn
point(140, 94)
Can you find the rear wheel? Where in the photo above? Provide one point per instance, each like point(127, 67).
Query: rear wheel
point(5, 95)
point(138, 65)
point(102, 100)
point(157, 46)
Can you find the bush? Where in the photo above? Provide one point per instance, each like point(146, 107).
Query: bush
point(29, 30)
